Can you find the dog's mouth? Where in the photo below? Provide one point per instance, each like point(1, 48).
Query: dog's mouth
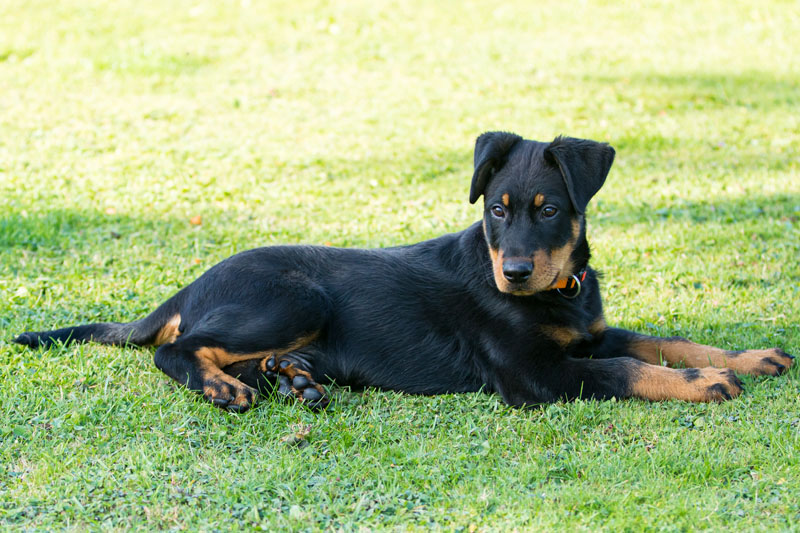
point(526, 289)
point(533, 285)
point(521, 292)
point(542, 276)
point(528, 275)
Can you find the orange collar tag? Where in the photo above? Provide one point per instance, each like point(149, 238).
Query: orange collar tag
point(569, 283)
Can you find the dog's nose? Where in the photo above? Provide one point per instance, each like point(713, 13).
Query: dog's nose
point(517, 270)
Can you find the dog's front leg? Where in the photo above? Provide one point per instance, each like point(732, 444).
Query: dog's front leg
point(679, 352)
point(619, 377)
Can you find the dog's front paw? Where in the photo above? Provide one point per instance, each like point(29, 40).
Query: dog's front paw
point(707, 384)
point(771, 362)
point(712, 384)
point(293, 381)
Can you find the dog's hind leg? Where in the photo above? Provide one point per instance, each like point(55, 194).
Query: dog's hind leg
point(201, 374)
point(227, 335)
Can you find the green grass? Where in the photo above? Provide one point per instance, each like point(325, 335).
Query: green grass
point(353, 124)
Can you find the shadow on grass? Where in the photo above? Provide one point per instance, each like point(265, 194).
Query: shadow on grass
point(422, 164)
point(617, 212)
point(85, 229)
point(688, 92)
point(333, 180)
point(65, 231)
point(74, 229)
point(718, 157)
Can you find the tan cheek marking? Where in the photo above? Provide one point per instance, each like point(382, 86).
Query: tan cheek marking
point(543, 271)
point(549, 264)
point(658, 383)
point(560, 257)
point(497, 264)
point(169, 331)
point(505, 199)
point(497, 269)
point(538, 200)
point(564, 336)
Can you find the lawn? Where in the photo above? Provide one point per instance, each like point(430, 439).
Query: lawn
point(141, 142)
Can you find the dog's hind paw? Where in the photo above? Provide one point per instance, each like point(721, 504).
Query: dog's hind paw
point(229, 394)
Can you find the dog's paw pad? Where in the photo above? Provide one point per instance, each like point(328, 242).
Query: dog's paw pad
point(300, 382)
point(312, 395)
point(297, 383)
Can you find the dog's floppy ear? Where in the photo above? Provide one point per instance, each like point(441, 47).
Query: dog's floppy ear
point(584, 166)
point(491, 149)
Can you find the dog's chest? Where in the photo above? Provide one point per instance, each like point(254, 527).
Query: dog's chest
point(562, 328)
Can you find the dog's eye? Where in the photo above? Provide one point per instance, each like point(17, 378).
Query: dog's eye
point(498, 211)
point(549, 211)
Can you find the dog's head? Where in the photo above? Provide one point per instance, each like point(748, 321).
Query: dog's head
point(535, 195)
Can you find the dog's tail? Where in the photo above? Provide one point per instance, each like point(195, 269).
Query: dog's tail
point(160, 326)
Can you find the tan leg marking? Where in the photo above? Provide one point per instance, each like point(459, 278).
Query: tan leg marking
point(169, 331)
point(220, 357)
point(678, 352)
point(658, 383)
point(219, 385)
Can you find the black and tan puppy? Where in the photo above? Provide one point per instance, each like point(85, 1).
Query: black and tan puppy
point(509, 305)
